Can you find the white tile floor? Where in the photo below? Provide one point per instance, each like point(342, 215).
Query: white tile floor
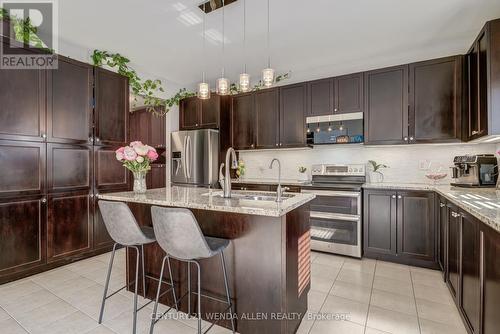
point(347, 296)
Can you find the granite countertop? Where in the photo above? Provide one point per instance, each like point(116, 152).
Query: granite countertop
point(291, 182)
point(211, 199)
point(482, 203)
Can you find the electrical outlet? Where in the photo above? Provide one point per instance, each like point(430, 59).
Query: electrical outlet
point(424, 165)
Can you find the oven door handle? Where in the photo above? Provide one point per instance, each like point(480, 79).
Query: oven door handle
point(338, 216)
point(332, 193)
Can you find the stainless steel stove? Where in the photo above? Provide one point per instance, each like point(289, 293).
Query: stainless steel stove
point(336, 211)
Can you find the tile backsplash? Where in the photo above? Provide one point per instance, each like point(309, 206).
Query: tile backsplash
point(405, 161)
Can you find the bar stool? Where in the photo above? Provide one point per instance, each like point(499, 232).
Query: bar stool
point(124, 230)
point(179, 235)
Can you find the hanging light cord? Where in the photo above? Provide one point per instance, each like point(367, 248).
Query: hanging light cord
point(204, 15)
point(245, 34)
point(223, 36)
point(268, 37)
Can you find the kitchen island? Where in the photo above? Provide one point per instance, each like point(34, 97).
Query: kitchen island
point(268, 259)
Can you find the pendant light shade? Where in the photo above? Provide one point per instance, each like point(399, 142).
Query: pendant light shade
point(267, 77)
point(203, 91)
point(222, 86)
point(244, 82)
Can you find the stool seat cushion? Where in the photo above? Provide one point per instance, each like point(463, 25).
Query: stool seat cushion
point(217, 245)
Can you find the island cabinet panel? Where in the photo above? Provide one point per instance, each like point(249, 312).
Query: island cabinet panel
point(69, 225)
point(435, 100)
point(470, 271)
point(380, 215)
point(22, 231)
point(69, 102)
point(442, 231)
point(109, 172)
point(111, 94)
point(321, 97)
point(243, 121)
point(453, 251)
point(267, 118)
point(22, 166)
point(293, 104)
point(386, 106)
point(22, 101)
point(69, 167)
point(416, 228)
point(491, 279)
point(349, 93)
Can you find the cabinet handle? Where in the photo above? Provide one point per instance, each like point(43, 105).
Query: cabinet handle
point(406, 138)
point(441, 205)
point(91, 139)
point(196, 124)
point(44, 200)
point(335, 109)
point(252, 146)
point(97, 139)
point(281, 144)
point(474, 132)
point(411, 138)
point(277, 144)
point(91, 195)
point(44, 136)
point(399, 196)
point(393, 196)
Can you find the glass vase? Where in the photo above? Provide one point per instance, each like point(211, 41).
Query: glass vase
point(140, 182)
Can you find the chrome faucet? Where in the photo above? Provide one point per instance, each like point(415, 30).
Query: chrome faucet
point(279, 190)
point(227, 177)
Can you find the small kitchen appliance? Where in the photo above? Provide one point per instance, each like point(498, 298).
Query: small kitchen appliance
point(475, 170)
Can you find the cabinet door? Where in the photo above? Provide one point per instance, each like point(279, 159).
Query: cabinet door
point(158, 137)
point(435, 100)
point(189, 113)
point(22, 231)
point(69, 225)
point(470, 273)
point(22, 166)
point(416, 227)
point(321, 97)
point(380, 212)
point(243, 122)
point(267, 118)
point(293, 106)
point(386, 106)
point(491, 286)
point(156, 178)
point(111, 108)
point(209, 113)
point(349, 93)
point(453, 252)
point(442, 228)
point(69, 167)
point(109, 172)
point(22, 101)
point(140, 126)
point(69, 102)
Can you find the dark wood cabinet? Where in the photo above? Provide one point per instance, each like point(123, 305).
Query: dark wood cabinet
point(243, 121)
point(435, 100)
point(156, 178)
point(321, 97)
point(69, 167)
point(399, 226)
point(442, 231)
point(69, 102)
point(22, 231)
point(293, 104)
point(453, 251)
point(22, 166)
point(189, 110)
point(148, 128)
point(111, 94)
point(69, 225)
point(267, 118)
point(491, 279)
point(109, 174)
point(470, 271)
point(386, 106)
point(210, 111)
point(195, 113)
point(349, 93)
point(380, 219)
point(416, 225)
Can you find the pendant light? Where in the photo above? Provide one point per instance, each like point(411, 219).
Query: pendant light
point(268, 73)
point(244, 77)
point(203, 86)
point(222, 85)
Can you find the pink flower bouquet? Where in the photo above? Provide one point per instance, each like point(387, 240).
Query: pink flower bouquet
point(137, 156)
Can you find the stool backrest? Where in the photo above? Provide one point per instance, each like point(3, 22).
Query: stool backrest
point(121, 223)
point(178, 233)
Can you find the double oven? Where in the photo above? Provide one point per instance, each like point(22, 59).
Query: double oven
point(336, 212)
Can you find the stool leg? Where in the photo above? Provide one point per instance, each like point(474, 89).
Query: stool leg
point(143, 273)
point(172, 283)
point(106, 286)
point(189, 289)
point(153, 318)
point(227, 288)
point(134, 328)
point(199, 296)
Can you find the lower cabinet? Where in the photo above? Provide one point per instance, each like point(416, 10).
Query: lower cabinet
point(453, 251)
point(442, 223)
point(399, 226)
point(491, 280)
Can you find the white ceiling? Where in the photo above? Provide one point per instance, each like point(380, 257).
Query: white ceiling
point(312, 38)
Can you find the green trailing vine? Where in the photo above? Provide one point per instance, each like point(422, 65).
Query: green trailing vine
point(24, 31)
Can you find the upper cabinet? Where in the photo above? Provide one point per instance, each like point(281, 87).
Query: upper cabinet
point(111, 108)
point(148, 128)
point(242, 121)
point(386, 106)
point(267, 118)
point(483, 84)
point(342, 94)
point(293, 104)
point(435, 100)
point(201, 114)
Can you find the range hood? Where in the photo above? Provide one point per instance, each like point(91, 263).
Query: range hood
point(335, 118)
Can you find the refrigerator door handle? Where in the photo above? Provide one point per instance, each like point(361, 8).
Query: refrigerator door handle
point(188, 156)
point(209, 158)
point(184, 158)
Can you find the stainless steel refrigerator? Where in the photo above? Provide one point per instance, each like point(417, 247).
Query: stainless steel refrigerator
point(195, 157)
